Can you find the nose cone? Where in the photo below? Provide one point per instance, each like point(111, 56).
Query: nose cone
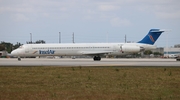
point(14, 53)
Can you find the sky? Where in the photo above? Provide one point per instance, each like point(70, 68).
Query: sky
point(91, 21)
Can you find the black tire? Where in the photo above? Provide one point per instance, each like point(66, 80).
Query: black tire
point(97, 58)
point(19, 59)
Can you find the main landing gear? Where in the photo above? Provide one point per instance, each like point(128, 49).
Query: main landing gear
point(19, 58)
point(97, 58)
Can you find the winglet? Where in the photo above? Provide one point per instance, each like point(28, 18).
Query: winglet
point(152, 36)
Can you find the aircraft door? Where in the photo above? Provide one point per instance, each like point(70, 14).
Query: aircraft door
point(121, 50)
point(27, 49)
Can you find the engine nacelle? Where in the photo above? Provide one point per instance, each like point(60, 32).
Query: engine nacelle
point(131, 49)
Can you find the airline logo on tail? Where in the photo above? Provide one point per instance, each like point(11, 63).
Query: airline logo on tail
point(151, 38)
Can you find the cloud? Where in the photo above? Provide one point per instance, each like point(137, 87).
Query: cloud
point(163, 9)
point(168, 15)
point(20, 17)
point(118, 22)
point(108, 7)
point(89, 9)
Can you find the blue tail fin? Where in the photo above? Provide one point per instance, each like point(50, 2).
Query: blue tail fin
point(152, 36)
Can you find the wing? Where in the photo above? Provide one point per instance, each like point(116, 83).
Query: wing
point(95, 52)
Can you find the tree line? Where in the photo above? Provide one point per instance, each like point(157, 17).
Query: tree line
point(7, 46)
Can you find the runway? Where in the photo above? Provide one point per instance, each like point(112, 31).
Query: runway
point(84, 62)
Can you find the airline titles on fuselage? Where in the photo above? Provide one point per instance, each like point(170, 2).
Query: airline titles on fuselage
point(46, 51)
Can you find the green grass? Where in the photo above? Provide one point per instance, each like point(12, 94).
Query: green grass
point(89, 83)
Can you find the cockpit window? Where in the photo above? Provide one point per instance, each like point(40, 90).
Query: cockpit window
point(20, 47)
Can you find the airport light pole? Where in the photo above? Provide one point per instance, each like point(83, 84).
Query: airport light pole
point(167, 41)
point(73, 37)
point(59, 37)
point(107, 37)
point(31, 38)
point(167, 45)
point(125, 38)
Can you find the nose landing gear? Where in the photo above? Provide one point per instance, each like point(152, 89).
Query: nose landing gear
point(97, 58)
point(19, 58)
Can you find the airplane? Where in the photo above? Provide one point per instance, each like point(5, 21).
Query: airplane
point(90, 49)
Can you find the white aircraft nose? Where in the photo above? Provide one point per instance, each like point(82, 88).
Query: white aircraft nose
point(14, 53)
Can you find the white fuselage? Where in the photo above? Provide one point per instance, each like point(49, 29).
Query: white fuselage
point(76, 49)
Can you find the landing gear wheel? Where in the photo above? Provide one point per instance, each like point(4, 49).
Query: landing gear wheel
point(97, 58)
point(19, 59)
